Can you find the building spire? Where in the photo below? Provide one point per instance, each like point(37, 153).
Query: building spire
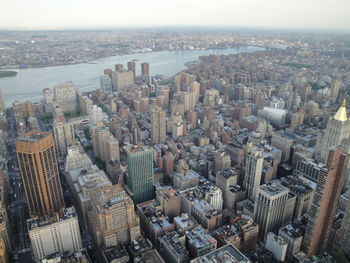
point(341, 113)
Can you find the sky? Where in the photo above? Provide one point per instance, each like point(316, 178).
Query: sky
point(67, 14)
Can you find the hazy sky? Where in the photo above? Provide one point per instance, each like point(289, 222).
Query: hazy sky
point(57, 14)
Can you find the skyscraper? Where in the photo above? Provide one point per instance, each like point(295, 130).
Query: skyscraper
point(63, 133)
point(324, 205)
point(122, 79)
point(273, 207)
point(158, 125)
point(98, 135)
point(132, 67)
point(140, 173)
point(57, 234)
point(48, 96)
point(145, 69)
point(113, 218)
point(253, 169)
point(38, 165)
point(65, 96)
point(106, 83)
point(95, 115)
point(338, 129)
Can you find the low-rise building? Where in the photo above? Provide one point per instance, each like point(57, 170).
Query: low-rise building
point(172, 249)
point(152, 220)
point(115, 255)
point(199, 242)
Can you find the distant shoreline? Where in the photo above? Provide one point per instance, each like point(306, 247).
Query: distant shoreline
point(7, 73)
point(92, 60)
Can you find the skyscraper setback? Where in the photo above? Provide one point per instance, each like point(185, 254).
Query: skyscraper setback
point(38, 166)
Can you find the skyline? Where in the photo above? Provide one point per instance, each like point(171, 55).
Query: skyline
point(270, 14)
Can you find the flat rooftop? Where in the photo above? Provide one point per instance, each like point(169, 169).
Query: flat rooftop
point(112, 253)
point(32, 137)
point(273, 189)
point(225, 254)
point(36, 223)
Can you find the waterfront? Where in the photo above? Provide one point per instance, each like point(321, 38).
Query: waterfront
point(29, 83)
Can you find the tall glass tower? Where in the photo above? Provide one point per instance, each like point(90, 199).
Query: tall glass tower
point(140, 178)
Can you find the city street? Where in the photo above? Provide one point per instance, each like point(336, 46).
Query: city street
point(18, 212)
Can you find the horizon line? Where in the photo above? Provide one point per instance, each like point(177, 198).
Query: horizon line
point(174, 26)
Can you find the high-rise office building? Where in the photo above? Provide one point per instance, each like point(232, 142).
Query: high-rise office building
point(57, 234)
point(119, 67)
point(132, 67)
point(273, 207)
point(253, 169)
point(98, 135)
point(65, 96)
point(140, 176)
point(158, 125)
point(106, 83)
point(39, 170)
point(63, 133)
point(145, 69)
point(283, 142)
point(338, 129)
point(324, 205)
point(122, 79)
point(48, 96)
point(95, 115)
point(336, 84)
point(113, 218)
point(111, 149)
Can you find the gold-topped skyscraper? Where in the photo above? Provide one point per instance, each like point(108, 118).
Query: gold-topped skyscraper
point(341, 113)
point(338, 129)
point(39, 170)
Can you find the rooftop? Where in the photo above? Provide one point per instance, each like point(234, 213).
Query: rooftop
point(274, 189)
point(151, 256)
point(171, 241)
point(33, 136)
point(151, 210)
point(112, 253)
point(225, 254)
point(185, 221)
point(291, 231)
point(110, 197)
point(34, 223)
point(200, 238)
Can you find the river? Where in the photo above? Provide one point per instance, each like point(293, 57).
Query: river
point(29, 83)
